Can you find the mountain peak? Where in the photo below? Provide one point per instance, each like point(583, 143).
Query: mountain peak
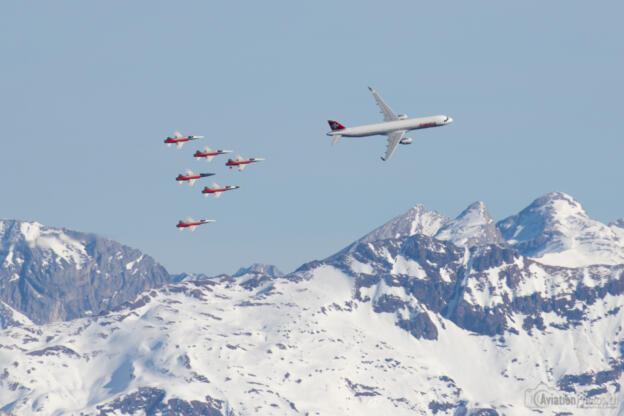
point(472, 227)
point(476, 209)
point(43, 271)
point(417, 220)
point(556, 229)
point(558, 202)
point(265, 269)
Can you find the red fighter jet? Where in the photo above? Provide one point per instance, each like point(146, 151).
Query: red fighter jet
point(209, 154)
point(218, 190)
point(191, 224)
point(191, 177)
point(241, 163)
point(178, 139)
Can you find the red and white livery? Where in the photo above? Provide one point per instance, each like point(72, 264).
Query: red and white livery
point(240, 162)
point(394, 126)
point(209, 154)
point(218, 190)
point(178, 139)
point(191, 177)
point(191, 224)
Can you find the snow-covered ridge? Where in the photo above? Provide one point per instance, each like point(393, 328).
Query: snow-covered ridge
point(555, 229)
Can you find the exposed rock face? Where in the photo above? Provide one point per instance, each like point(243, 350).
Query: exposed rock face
point(52, 274)
point(10, 317)
point(479, 288)
point(153, 401)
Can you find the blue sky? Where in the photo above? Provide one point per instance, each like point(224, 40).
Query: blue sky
point(90, 90)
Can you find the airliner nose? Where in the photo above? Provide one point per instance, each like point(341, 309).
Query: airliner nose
point(449, 120)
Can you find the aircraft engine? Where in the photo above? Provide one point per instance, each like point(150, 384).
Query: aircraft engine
point(402, 116)
point(406, 140)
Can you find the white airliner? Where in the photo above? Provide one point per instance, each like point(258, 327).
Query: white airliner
point(394, 126)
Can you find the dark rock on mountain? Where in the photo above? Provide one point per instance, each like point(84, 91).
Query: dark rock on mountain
point(52, 274)
point(151, 401)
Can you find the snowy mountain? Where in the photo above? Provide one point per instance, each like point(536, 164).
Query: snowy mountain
point(468, 339)
point(556, 230)
point(473, 227)
point(52, 274)
point(418, 220)
point(432, 316)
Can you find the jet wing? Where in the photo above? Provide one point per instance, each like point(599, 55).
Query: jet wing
point(385, 109)
point(393, 140)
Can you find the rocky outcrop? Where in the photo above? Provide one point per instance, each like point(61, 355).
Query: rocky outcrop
point(51, 274)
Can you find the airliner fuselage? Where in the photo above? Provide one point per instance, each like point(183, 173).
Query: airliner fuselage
point(390, 126)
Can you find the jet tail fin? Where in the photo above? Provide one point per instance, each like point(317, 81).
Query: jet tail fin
point(334, 125)
point(335, 139)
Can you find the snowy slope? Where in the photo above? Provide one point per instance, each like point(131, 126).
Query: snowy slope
point(556, 230)
point(302, 345)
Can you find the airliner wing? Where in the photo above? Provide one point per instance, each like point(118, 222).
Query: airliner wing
point(393, 140)
point(385, 109)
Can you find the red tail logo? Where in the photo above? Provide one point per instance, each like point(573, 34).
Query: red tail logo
point(334, 125)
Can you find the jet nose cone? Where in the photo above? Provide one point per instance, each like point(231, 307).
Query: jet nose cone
point(450, 120)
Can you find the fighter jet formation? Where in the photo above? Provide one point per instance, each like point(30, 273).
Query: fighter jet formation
point(394, 127)
point(190, 177)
